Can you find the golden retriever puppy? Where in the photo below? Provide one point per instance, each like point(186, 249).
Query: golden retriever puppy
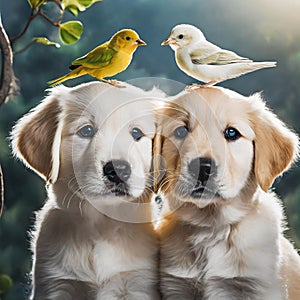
point(93, 238)
point(223, 237)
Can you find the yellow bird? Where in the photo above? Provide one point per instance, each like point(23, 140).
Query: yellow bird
point(106, 60)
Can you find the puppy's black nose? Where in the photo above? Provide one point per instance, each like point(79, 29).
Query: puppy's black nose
point(117, 171)
point(201, 168)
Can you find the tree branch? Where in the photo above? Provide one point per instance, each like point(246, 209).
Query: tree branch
point(7, 81)
point(30, 19)
point(7, 86)
point(47, 19)
point(25, 48)
point(1, 192)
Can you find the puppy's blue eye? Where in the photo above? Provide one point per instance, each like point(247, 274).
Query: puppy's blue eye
point(231, 134)
point(181, 132)
point(86, 131)
point(137, 133)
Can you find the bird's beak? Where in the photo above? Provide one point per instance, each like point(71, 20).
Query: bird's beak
point(140, 42)
point(168, 41)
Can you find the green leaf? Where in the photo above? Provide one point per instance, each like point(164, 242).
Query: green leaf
point(5, 284)
point(88, 3)
point(36, 3)
point(74, 10)
point(45, 41)
point(74, 6)
point(70, 32)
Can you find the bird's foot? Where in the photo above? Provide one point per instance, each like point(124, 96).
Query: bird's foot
point(197, 86)
point(113, 82)
point(193, 87)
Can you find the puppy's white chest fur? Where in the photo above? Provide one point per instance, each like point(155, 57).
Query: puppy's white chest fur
point(111, 259)
point(105, 254)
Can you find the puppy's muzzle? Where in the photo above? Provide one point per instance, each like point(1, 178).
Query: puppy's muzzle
point(202, 171)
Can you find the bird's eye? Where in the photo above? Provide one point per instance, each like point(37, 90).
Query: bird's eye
point(86, 131)
point(136, 133)
point(231, 134)
point(180, 36)
point(181, 132)
point(128, 38)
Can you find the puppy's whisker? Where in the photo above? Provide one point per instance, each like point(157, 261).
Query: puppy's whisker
point(80, 206)
point(168, 181)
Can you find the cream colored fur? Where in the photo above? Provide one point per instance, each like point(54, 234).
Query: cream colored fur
point(88, 242)
point(229, 245)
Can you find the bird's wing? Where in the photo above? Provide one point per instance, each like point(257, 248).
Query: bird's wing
point(216, 57)
point(99, 57)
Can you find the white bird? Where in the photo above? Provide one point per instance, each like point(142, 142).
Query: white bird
point(205, 61)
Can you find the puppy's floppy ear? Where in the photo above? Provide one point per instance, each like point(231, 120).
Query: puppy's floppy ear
point(36, 138)
point(276, 147)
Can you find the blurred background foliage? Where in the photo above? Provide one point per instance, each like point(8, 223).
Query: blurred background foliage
point(259, 29)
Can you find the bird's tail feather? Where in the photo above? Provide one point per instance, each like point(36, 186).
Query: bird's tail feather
point(250, 67)
point(63, 78)
point(265, 64)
